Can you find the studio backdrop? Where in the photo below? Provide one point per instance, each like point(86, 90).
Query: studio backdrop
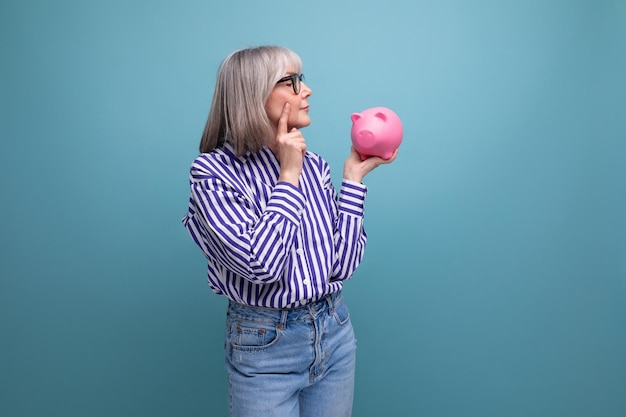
point(494, 281)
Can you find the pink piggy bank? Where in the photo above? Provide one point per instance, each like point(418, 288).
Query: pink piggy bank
point(376, 132)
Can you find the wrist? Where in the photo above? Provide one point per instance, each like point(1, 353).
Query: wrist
point(291, 178)
point(352, 176)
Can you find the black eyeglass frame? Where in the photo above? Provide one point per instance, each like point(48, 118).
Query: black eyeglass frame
point(296, 80)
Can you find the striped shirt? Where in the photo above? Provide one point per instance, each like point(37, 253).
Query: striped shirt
point(268, 243)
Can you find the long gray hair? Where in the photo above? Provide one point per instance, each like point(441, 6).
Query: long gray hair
point(244, 82)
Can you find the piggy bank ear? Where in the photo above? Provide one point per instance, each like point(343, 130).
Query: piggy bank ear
point(381, 116)
point(355, 117)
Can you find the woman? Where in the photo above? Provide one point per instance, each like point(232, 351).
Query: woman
point(278, 240)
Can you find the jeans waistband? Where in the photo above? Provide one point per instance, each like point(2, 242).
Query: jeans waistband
point(309, 311)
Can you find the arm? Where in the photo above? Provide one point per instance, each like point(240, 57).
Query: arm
point(350, 236)
point(226, 226)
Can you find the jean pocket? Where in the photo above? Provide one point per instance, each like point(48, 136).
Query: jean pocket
point(252, 336)
point(341, 313)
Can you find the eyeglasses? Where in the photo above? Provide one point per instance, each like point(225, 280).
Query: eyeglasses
point(295, 79)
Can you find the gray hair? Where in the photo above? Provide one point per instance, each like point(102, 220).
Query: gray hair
point(244, 82)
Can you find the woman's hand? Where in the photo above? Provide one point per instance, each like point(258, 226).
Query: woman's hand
point(289, 148)
point(354, 169)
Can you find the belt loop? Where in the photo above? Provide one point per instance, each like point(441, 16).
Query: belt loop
point(283, 319)
point(331, 304)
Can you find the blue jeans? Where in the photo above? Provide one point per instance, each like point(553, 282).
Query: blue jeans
point(291, 362)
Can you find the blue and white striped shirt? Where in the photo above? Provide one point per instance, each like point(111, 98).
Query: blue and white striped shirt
point(268, 243)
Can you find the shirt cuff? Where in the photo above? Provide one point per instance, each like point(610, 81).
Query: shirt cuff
point(352, 197)
point(288, 200)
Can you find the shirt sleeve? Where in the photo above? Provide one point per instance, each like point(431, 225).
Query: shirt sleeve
point(350, 237)
point(224, 222)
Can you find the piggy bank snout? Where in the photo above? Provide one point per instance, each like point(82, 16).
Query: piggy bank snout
point(365, 138)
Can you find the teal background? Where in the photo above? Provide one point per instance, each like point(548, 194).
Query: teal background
point(494, 282)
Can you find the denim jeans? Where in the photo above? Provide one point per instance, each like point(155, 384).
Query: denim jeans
point(291, 362)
